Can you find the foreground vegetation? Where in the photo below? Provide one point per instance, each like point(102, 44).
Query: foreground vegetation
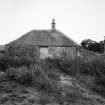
point(56, 81)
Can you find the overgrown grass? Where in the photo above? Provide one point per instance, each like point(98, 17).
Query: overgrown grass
point(43, 74)
point(92, 71)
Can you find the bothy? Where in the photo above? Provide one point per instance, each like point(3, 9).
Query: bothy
point(43, 44)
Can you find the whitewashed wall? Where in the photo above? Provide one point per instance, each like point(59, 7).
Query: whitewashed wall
point(43, 52)
point(58, 52)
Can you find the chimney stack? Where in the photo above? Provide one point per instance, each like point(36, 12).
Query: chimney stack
point(53, 24)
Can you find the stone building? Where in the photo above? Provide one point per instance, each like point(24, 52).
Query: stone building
point(43, 44)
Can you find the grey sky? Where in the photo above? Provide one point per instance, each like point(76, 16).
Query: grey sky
point(78, 19)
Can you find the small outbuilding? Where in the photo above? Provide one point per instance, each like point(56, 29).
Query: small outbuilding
point(43, 44)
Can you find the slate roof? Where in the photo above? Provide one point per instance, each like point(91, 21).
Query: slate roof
point(44, 38)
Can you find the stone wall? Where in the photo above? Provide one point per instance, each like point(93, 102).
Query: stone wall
point(22, 50)
point(41, 52)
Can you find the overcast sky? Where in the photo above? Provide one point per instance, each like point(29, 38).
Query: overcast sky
point(78, 19)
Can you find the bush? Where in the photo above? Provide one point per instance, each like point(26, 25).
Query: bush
point(6, 62)
point(19, 74)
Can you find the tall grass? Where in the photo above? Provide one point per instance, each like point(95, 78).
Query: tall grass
point(90, 72)
point(30, 72)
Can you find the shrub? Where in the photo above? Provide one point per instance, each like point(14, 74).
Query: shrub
point(6, 62)
point(19, 74)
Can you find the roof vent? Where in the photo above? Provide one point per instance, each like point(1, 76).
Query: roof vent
point(53, 24)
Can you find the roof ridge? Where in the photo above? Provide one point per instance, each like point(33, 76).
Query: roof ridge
point(50, 30)
point(40, 30)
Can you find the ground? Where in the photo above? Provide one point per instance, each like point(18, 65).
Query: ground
point(71, 93)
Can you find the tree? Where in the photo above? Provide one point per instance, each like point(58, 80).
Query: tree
point(93, 45)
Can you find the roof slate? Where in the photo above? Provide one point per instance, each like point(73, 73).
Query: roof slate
point(45, 38)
